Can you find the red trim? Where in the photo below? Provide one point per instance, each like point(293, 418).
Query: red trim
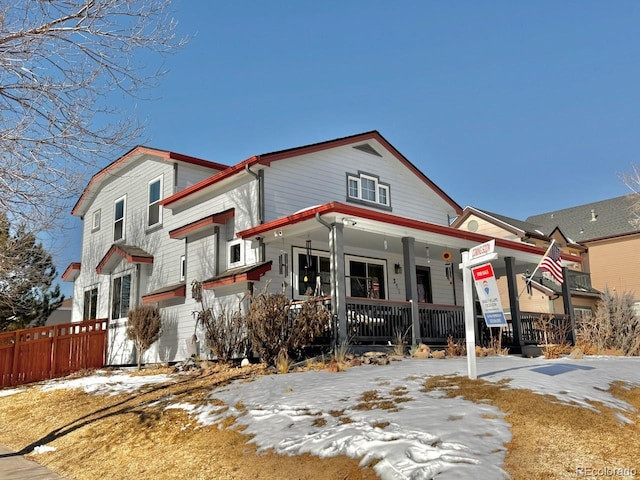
point(141, 150)
point(267, 158)
point(207, 182)
point(350, 210)
point(251, 276)
point(129, 258)
point(73, 268)
point(211, 220)
point(179, 292)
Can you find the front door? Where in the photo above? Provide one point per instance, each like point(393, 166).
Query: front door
point(423, 279)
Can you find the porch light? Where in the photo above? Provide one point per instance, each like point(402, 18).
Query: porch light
point(428, 254)
point(397, 268)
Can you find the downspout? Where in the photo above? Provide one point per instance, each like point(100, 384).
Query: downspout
point(319, 219)
point(216, 252)
point(260, 179)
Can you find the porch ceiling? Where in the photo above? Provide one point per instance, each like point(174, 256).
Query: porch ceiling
point(370, 229)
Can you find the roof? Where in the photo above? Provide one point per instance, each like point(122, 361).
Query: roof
point(166, 293)
point(450, 236)
point(202, 224)
point(512, 224)
point(71, 272)
point(130, 253)
point(593, 221)
point(267, 158)
point(527, 227)
point(251, 273)
point(131, 156)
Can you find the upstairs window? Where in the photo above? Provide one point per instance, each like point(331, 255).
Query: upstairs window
point(154, 216)
point(95, 221)
point(183, 268)
point(367, 189)
point(235, 253)
point(118, 219)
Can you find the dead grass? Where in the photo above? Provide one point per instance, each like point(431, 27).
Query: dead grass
point(551, 440)
point(114, 437)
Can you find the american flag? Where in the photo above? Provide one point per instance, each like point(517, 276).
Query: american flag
point(552, 264)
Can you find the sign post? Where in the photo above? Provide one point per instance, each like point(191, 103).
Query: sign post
point(479, 254)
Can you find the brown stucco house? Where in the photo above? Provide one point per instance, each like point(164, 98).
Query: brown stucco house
point(610, 232)
point(543, 295)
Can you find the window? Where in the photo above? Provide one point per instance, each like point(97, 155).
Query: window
point(154, 216)
point(121, 297)
point(313, 273)
point(183, 268)
point(235, 253)
point(582, 313)
point(90, 306)
point(367, 189)
point(366, 279)
point(118, 219)
point(95, 223)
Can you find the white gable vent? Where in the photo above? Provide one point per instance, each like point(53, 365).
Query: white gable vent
point(365, 147)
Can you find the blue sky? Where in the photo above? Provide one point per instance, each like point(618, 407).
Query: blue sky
point(513, 107)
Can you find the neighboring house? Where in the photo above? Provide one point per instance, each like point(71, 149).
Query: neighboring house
point(610, 232)
point(62, 314)
point(349, 219)
point(543, 295)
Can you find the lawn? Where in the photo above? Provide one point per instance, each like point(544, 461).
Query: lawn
point(524, 418)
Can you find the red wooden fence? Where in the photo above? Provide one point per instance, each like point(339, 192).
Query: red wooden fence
point(35, 354)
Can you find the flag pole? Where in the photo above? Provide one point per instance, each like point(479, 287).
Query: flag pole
point(528, 280)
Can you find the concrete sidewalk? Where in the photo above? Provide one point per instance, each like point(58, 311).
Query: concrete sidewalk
point(16, 467)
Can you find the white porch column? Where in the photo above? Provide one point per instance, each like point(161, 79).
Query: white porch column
point(411, 285)
point(338, 280)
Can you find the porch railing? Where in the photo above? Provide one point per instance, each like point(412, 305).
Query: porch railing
point(373, 321)
point(377, 321)
point(540, 328)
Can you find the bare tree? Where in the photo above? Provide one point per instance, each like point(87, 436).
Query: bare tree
point(63, 63)
point(632, 180)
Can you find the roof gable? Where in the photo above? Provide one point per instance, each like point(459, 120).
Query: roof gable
point(359, 141)
point(512, 225)
point(129, 158)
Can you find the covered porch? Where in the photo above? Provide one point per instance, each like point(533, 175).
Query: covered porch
point(385, 275)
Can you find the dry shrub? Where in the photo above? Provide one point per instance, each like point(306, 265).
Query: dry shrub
point(400, 343)
point(275, 327)
point(613, 327)
point(225, 334)
point(455, 349)
point(144, 326)
point(555, 332)
point(555, 350)
point(283, 362)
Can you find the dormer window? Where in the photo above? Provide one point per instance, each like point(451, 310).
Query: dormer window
point(367, 189)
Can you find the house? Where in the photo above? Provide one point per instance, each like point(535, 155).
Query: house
point(62, 314)
point(349, 219)
point(609, 230)
point(542, 295)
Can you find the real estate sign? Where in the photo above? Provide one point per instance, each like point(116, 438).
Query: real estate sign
point(488, 295)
